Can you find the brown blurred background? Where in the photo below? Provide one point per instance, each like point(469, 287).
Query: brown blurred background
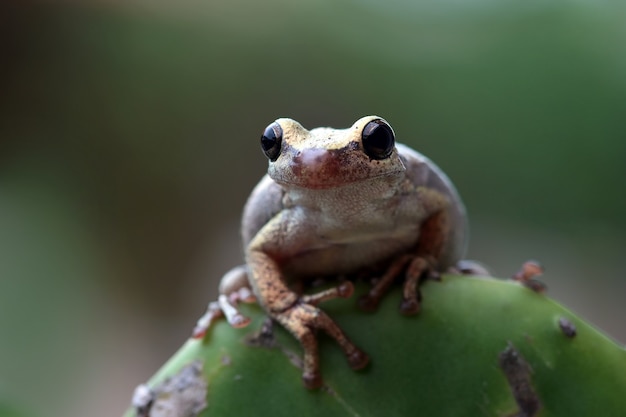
point(129, 143)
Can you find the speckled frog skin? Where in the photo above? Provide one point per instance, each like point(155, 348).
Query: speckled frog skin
point(337, 202)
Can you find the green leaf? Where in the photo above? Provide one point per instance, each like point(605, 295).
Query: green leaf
point(443, 362)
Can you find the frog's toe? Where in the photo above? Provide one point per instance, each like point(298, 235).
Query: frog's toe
point(358, 359)
point(205, 322)
point(344, 290)
point(302, 320)
point(433, 275)
point(238, 321)
point(410, 307)
point(245, 295)
point(368, 303)
point(312, 380)
point(231, 312)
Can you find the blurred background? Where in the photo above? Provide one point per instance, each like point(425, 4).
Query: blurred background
point(129, 142)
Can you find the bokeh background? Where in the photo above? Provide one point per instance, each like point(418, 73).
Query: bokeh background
point(129, 142)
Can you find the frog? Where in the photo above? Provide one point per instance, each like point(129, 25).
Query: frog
point(339, 203)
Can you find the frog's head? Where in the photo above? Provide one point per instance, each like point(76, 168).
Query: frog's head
point(328, 158)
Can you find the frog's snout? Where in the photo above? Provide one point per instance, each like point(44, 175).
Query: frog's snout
point(319, 168)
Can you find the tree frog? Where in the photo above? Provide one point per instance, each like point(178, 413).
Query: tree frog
point(336, 202)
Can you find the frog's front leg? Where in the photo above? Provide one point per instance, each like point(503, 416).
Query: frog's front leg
point(422, 262)
point(234, 288)
point(300, 316)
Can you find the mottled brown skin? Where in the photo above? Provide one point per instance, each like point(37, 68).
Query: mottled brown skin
point(326, 208)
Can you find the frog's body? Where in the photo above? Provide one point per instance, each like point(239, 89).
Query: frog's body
point(342, 229)
point(338, 202)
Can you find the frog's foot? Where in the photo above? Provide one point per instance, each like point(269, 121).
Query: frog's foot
point(228, 304)
point(234, 289)
point(370, 301)
point(301, 320)
point(344, 290)
point(204, 323)
point(416, 267)
point(420, 266)
point(225, 306)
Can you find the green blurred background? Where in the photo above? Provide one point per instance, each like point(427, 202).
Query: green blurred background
point(129, 143)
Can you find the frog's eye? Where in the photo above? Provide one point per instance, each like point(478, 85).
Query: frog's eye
point(271, 141)
point(378, 139)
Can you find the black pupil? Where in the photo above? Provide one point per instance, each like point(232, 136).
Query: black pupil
point(268, 139)
point(271, 141)
point(378, 139)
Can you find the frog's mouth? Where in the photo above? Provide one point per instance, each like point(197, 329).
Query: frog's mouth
point(331, 168)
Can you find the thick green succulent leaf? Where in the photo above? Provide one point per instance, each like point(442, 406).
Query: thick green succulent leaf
point(443, 362)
